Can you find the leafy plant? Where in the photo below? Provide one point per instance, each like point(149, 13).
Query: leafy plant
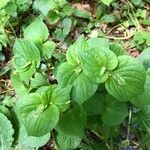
point(86, 94)
point(88, 66)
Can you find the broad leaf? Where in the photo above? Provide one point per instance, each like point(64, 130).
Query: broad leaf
point(67, 143)
point(39, 80)
point(97, 63)
point(39, 112)
point(142, 37)
point(115, 112)
point(94, 105)
point(58, 96)
point(144, 119)
point(48, 48)
point(6, 133)
point(94, 122)
point(101, 43)
point(73, 51)
point(37, 31)
point(53, 17)
point(144, 58)
point(27, 71)
point(18, 85)
point(45, 6)
point(38, 118)
point(73, 121)
point(26, 58)
point(82, 89)
point(110, 131)
point(117, 49)
point(143, 99)
point(127, 80)
point(70, 73)
point(25, 52)
point(3, 3)
point(82, 13)
point(30, 142)
point(147, 82)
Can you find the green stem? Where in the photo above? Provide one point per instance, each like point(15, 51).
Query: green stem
point(12, 30)
point(129, 125)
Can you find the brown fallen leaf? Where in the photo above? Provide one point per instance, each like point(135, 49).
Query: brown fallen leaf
point(82, 6)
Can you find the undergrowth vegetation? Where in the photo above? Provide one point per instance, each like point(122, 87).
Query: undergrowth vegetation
point(74, 75)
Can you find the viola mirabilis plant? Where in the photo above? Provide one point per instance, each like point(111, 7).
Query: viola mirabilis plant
point(95, 86)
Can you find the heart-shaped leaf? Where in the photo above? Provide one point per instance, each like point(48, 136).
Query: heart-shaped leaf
point(97, 62)
point(127, 80)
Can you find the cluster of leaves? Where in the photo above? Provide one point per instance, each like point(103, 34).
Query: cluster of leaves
point(80, 101)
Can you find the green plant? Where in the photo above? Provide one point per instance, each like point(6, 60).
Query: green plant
point(91, 96)
point(64, 109)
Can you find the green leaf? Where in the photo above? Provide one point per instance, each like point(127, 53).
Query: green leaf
point(67, 143)
point(107, 2)
point(100, 10)
point(70, 73)
point(73, 51)
point(97, 63)
point(37, 31)
point(18, 85)
point(94, 105)
point(26, 58)
point(147, 82)
point(10, 8)
point(115, 112)
point(110, 131)
point(6, 133)
point(3, 37)
point(62, 32)
point(143, 99)
point(23, 5)
point(82, 89)
point(141, 14)
point(98, 43)
point(53, 17)
point(94, 122)
point(3, 3)
point(144, 58)
point(67, 9)
point(57, 96)
point(39, 112)
point(73, 121)
point(31, 142)
point(117, 49)
point(24, 52)
point(82, 14)
point(144, 119)
point(37, 117)
point(142, 37)
point(108, 19)
point(136, 2)
point(44, 6)
point(39, 80)
point(48, 48)
point(127, 80)
point(66, 25)
point(2, 58)
point(26, 73)
point(4, 70)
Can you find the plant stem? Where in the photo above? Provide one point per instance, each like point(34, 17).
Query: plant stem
point(129, 125)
